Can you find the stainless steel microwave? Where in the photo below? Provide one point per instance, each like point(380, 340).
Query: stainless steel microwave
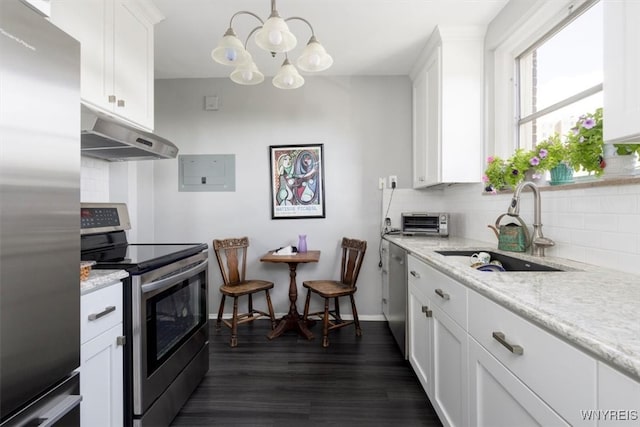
point(425, 223)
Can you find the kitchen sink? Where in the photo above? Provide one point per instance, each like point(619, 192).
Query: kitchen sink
point(508, 263)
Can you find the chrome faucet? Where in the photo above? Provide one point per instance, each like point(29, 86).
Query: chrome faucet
point(538, 241)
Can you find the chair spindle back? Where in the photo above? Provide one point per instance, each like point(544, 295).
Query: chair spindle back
point(353, 251)
point(232, 259)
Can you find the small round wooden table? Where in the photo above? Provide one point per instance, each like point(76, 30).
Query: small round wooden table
point(292, 320)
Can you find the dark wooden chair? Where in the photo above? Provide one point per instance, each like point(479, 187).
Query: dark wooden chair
point(352, 255)
point(232, 259)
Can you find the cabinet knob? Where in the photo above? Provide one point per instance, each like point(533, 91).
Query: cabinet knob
point(442, 294)
point(513, 348)
point(415, 274)
point(426, 311)
point(121, 340)
point(120, 103)
point(112, 99)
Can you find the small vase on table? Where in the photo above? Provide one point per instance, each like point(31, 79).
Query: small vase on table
point(302, 243)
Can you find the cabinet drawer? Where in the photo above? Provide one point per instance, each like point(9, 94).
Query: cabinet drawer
point(560, 374)
point(417, 271)
point(100, 311)
point(442, 290)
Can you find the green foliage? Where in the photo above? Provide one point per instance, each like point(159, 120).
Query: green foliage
point(585, 143)
point(494, 174)
point(627, 149)
point(583, 149)
point(550, 153)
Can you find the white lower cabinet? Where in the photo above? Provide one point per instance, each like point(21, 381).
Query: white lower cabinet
point(618, 399)
point(483, 365)
point(101, 358)
point(497, 398)
point(563, 376)
point(101, 380)
point(449, 370)
point(420, 315)
point(438, 343)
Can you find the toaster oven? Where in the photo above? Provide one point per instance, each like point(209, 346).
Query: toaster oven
point(424, 223)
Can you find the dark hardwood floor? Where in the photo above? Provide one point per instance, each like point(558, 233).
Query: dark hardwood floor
point(290, 381)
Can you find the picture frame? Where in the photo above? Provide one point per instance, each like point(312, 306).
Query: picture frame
point(297, 181)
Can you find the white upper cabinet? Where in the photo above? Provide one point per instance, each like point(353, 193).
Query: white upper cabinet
point(116, 39)
point(621, 70)
point(448, 108)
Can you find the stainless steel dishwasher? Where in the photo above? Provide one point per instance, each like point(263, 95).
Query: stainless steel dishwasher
point(398, 295)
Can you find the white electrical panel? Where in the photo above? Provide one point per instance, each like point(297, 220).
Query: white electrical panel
point(207, 172)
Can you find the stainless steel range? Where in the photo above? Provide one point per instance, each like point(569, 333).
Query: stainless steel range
point(165, 309)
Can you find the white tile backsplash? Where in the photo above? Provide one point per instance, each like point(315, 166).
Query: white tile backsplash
point(599, 225)
point(94, 180)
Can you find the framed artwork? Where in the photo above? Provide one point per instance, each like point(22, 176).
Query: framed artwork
point(297, 181)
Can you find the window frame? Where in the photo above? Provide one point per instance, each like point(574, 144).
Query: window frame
point(574, 13)
point(503, 46)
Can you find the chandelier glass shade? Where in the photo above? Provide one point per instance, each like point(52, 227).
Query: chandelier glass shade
point(247, 73)
point(230, 50)
point(273, 36)
point(288, 77)
point(314, 57)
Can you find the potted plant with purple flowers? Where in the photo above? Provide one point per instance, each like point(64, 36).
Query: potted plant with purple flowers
point(586, 145)
point(494, 174)
point(552, 155)
point(546, 155)
point(504, 173)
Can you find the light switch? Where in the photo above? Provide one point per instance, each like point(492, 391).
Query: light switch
point(211, 103)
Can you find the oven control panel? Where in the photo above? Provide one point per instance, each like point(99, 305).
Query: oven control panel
point(103, 217)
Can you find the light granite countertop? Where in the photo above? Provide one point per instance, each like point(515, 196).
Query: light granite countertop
point(99, 279)
point(596, 309)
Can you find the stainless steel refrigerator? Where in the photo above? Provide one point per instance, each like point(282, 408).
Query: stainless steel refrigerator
point(39, 220)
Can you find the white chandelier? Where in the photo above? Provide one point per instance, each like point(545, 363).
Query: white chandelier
point(274, 37)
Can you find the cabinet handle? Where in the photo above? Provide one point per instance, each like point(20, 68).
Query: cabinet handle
point(120, 103)
point(112, 99)
point(414, 274)
point(384, 300)
point(426, 311)
point(513, 348)
point(442, 294)
point(107, 310)
point(121, 340)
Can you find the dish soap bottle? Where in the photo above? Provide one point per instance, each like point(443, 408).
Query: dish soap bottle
point(302, 243)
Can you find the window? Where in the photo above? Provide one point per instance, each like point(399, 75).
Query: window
point(559, 77)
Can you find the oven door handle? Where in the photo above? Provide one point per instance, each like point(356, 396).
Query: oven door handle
point(170, 281)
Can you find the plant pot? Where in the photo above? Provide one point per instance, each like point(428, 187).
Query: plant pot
point(537, 178)
point(616, 165)
point(561, 174)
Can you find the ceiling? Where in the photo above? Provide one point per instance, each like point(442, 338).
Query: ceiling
point(364, 37)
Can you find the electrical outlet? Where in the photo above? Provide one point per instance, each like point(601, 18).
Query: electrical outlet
point(382, 182)
point(393, 181)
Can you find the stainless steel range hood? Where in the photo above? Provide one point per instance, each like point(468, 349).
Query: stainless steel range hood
point(107, 138)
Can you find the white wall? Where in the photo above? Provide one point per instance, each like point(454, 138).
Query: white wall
point(365, 126)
